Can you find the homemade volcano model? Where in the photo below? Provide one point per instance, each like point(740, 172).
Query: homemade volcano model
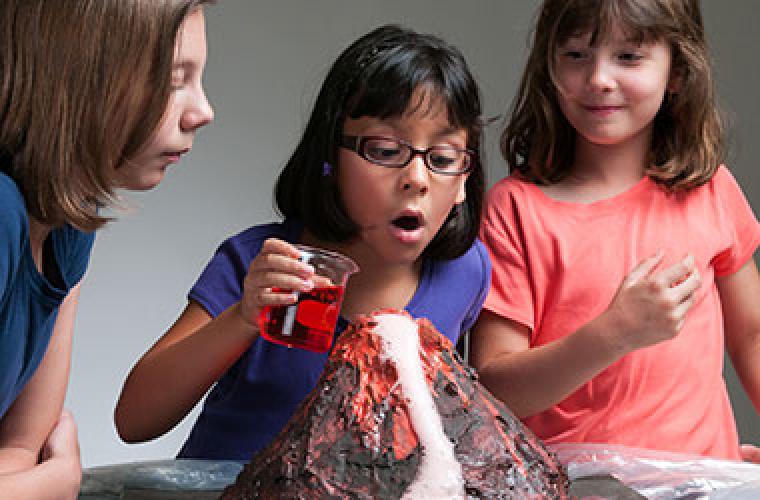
point(396, 414)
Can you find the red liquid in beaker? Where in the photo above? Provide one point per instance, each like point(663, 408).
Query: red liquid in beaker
point(312, 324)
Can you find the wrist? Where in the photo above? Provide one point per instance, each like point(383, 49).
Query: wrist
point(610, 335)
point(247, 323)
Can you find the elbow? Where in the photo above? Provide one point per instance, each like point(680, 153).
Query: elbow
point(494, 382)
point(125, 426)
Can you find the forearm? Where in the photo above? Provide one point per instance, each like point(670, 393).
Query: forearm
point(172, 377)
point(22, 478)
point(746, 363)
point(536, 379)
point(740, 302)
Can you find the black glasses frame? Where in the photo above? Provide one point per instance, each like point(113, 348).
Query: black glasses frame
point(356, 144)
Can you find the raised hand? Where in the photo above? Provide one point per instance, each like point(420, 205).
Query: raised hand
point(650, 307)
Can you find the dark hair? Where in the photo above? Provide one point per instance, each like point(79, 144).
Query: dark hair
point(687, 141)
point(376, 76)
point(83, 87)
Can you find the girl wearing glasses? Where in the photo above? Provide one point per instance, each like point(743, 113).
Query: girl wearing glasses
point(388, 173)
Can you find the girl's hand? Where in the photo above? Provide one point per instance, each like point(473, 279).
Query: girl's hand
point(62, 441)
point(274, 278)
point(750, 453)
point(62, 446)
point(651, 307)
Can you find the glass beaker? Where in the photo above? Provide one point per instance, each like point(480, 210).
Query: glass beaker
point(310, 322)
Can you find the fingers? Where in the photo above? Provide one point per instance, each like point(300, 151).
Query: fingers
point(750, 453)
point(275, 277)
point(278, 267)
point(678, 272)
point(644, 268)
point(62, 440)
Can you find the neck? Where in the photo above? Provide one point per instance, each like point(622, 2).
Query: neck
point(612, 164)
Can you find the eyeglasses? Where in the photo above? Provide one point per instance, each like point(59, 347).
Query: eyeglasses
point(395, 153)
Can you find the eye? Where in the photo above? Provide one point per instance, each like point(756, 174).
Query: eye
point(573, 55)
point(383, 150)
point(447, 159)
point(630, 57)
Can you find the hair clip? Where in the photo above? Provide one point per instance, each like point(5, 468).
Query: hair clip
point(326, 169)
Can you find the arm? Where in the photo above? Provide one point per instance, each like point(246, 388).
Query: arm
point(647, 308)
point(39, 455)
point(740, 301)
point(170, 379)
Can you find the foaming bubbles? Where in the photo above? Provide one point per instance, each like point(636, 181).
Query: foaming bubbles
point(401, 346)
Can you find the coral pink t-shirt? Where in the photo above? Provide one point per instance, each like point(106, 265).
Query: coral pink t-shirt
point(557, 265)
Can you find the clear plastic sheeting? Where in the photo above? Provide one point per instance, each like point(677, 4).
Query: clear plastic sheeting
point(164, 479)
point(651, 474)
point(659, 475)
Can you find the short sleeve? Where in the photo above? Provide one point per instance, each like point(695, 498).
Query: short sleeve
point(72, 250)
point(220, 284)
point(485, 284)
point(510, 295)
point(738, 220)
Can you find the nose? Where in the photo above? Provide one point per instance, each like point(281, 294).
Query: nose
point(601, 78)
point(415, 177)
point(198, 114)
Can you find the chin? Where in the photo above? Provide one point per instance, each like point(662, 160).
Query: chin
point(144, 184)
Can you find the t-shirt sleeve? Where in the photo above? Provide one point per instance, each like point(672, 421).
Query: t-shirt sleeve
point(738, 219)
point(485, 283)
point(510, 295)
point(72, 251)
point(221, 282)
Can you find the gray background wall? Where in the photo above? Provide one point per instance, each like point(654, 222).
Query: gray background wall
point(266, 61)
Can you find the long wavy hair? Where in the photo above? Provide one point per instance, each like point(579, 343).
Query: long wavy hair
point(688, 134)
point(84, 85)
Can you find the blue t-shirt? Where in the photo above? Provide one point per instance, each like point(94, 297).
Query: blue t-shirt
point(28, 301)
point(253, 401)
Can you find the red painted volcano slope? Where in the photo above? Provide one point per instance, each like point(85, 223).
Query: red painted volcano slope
point(353, 437)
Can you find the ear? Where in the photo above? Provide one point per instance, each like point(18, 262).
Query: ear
point(462, 192)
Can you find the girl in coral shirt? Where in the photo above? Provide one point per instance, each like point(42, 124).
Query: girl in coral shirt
point(621, 245)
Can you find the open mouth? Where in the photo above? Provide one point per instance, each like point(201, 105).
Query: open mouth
point(407, 222)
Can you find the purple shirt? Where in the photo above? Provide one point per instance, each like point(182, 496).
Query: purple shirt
point(256, 397)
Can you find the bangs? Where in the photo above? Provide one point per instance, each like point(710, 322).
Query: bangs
point(386, 88)
point(640, 21)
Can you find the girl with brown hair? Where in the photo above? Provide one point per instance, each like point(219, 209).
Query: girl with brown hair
point(621, 246)
point(95, 96)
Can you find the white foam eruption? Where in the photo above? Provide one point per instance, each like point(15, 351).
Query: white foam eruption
point(440, 474)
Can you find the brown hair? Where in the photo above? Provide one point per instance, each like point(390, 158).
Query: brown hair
point(687, 141)
point(84, 85)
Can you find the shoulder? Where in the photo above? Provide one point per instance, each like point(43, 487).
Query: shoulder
point(511, 196)
point(72, 249)
point(722, 190)
point(13, 217)
point(246, 244)
point(12, 206)
point(509, 187)
point(471, 268)
point(13, 229)
point(723, 180)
